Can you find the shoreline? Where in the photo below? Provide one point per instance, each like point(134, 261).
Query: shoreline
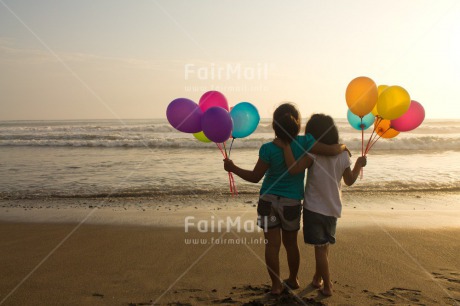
point(399, 210)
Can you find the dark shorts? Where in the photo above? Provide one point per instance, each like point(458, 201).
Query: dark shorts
point(318, 229)
point(275, 211)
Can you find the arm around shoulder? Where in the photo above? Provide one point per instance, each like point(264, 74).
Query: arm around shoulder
point(328, 150)
point(294, 166)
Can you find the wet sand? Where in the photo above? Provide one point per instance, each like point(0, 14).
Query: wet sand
point(143, 256)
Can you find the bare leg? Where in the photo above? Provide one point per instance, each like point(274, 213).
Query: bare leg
point(272, 249)
point(322, 268)
point(293, 257)
point(317, 281)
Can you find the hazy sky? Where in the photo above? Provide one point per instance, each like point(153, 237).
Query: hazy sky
point(128, 59)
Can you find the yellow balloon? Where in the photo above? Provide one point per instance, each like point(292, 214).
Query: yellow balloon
point(393, 102)
point(201, 137)
point(375, 112)
point(384, 129)
point(361, 96)
point(380, 89)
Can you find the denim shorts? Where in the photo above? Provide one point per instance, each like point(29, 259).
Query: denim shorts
point(318, 229)
point(275, 211)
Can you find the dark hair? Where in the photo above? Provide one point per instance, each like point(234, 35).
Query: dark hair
point(286, 122)
point(323, 129)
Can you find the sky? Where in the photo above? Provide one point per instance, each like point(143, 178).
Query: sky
point(128, 59)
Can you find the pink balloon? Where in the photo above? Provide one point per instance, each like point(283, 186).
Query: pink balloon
point(213, 98)
point(411, 119)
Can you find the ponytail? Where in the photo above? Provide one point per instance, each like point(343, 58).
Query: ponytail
point(286, 122)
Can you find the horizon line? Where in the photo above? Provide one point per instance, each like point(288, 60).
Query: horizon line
point(163, 118)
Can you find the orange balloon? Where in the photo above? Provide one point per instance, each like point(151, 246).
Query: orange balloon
point(361, 96)
point(384, 129)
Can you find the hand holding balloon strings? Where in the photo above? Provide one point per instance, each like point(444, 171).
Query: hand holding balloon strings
point(230, 175)
point(231, 179)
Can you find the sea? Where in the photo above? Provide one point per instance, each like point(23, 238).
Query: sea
point(148, 158)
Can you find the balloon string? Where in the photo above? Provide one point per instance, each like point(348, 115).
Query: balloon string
point(230, 150)
point(371, 139)
point(234, 185)
point(370, 147)
point(373, 143)
point(379, 119)
point(377, 139)
point(362, 147)
point(226, 156)
point(231, 179)
point(374, 139)
point(220, 148)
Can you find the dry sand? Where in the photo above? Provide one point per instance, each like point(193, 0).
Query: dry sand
point(134, 252)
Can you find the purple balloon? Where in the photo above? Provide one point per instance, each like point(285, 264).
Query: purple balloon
point(411, 119)
point(184, 115)
point(217, 124)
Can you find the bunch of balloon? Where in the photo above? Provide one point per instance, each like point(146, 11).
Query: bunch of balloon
point(389, 108)
point(211, 121)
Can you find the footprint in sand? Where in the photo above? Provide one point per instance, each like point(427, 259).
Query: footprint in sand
point(398, 295)
point(452, 277)
point(451, 281)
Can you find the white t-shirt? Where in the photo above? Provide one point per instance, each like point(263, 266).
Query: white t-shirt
point(323, 190)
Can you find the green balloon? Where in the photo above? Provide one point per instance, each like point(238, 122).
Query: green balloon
point(201, 137)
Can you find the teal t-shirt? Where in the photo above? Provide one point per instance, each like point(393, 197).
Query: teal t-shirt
point(277, 179)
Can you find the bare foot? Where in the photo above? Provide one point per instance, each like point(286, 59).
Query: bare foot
point(292, 284)
point(317, 281)
point(327, 290)
point(277, 289)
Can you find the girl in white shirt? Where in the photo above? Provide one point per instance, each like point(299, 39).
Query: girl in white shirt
point(322, 198)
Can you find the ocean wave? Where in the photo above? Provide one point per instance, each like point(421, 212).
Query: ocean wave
point(71, 129)
point(158, 133)
point(165, 127)
point(395, 186)
point(139, 141)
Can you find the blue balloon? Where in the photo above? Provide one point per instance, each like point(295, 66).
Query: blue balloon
point(245, 119)
point(355, 121)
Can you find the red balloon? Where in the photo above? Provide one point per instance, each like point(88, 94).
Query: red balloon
point(411, 119)
point(211, 99)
